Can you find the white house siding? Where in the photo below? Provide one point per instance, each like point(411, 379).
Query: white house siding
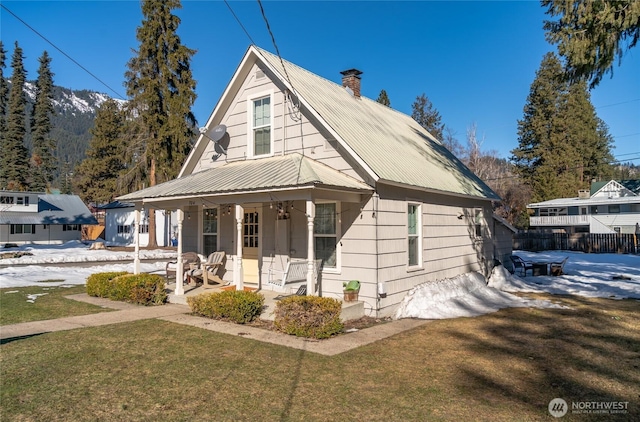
point(44, 235)
point(166, 225)
point(302, 135)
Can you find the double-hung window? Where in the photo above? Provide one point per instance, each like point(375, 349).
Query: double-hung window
point(210, 230)
point(261, 126)
point(325, 231)
point(414, 235)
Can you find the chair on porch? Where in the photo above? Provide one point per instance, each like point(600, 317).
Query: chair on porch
point(188, 259)
point(208, 270)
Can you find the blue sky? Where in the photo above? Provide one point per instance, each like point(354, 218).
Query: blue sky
point(474, 60)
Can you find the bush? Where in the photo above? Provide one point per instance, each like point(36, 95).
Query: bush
point(238, 306)
point(99, 285)
point(143, 289)
point(309, 316)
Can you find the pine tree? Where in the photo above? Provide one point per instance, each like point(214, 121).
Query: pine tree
point(162, 91)
point(96, 177)
point(427, 116)
point(560, 146)
point(15, 155)
point(592, 34)
point(4, 98)
point(43, 162)
point(383, 98)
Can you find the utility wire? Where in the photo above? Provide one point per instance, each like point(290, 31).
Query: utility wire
point(239, 23)
point(60, 50)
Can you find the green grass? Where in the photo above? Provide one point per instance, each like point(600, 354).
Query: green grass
point(49, 304)
point(504, 366)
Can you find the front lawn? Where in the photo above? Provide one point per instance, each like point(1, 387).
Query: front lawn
point(504, 366)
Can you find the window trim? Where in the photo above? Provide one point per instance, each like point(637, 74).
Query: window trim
point(417, 235)
point(338, 268)
point(479, 223)
point(251, 128)
point(217, 233)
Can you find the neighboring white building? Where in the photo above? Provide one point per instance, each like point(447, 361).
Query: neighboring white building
point(609, 207)
point(36, 217)
point(119, 224)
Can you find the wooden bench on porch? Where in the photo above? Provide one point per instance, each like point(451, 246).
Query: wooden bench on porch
point(294, 274)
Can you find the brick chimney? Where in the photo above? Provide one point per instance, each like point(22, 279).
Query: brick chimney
point(351, 79)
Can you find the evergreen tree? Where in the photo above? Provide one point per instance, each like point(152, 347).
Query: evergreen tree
point(561, 143)
point(15, 159)
point(592, 34)
point(427, 116)
point(384, 99)
point(4, 98)
point(162, 91)
point(43, 162)
point(96, 177)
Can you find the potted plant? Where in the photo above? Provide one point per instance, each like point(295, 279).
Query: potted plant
point(350, 290)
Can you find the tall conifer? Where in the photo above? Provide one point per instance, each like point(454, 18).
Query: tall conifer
point(43, 161)
point(96, 176)
point(427, 116)
point(4, 98)
point(15, 155)
point(162, 91)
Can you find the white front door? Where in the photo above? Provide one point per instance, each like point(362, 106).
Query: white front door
point(251, 245)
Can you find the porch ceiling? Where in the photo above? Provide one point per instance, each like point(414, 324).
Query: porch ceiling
point(273, 173)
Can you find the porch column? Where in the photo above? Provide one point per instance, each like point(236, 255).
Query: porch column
point(311, 215)
point(136, 241)
point(180, 264)
point(238, 276)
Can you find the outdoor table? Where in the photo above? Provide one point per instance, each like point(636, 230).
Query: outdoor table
point(540, 268)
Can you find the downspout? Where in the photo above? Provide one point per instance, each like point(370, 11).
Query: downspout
point(376, 197)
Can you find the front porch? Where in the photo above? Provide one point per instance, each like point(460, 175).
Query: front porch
point(350, 310)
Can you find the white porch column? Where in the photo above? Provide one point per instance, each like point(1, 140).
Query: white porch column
point(136, 241)
point(180, 264)
point(238, 275)
point(311, 254)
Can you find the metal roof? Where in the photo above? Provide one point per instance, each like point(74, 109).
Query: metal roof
point(273, 173)
point(52, 209)
point(391, 143)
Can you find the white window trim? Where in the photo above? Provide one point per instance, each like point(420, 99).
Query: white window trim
point(201, 229)
point(338, 268)
point(250, 127)
point(419, 266)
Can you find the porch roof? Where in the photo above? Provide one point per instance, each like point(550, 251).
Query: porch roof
point(273, 173)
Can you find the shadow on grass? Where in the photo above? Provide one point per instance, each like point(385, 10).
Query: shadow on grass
point(11, 339)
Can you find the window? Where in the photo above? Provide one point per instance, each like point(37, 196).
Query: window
point(614, 209)
point(70, 227)
point(478, 222)
point(6, 200)
point(616, 229)
point(210, 230)
point(414, 229)
point(260, 122)
point(23, 228)
point(124, 229)
point(143, 228)
point(250, 228)
point(325, 232)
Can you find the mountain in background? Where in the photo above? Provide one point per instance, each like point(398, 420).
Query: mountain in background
point(75, 112)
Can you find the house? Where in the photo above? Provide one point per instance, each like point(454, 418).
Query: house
point(609, 207)
point(293, 166)
point(36, 217)
point(119, 221)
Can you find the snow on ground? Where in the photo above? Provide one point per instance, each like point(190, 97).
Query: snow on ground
point(591, 275)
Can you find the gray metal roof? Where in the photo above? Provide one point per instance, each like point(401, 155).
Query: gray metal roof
point(273, 173)
point(391, 143)
point(52, 209)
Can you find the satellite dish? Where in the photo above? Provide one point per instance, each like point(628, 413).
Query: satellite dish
point(216, 133)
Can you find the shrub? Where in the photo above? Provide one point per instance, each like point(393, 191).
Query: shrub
point(99, 284)
point(238, 306)
point(309, 316)
point(143, 289)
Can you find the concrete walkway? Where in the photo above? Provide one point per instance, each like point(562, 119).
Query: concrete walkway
point(180, 314)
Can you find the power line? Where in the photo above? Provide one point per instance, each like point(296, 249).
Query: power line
point(239, 23)
point(615, 104)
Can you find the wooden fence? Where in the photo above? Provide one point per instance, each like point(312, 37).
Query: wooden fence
point(582, 242)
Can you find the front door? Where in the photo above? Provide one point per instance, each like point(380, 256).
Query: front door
point(251, 245)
